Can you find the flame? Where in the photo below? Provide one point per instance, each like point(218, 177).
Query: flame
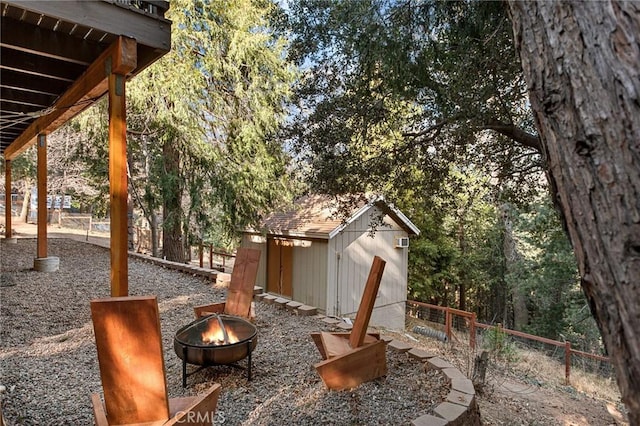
point(215, 335)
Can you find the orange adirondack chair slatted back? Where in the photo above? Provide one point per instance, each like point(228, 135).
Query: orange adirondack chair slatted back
point(243, 279)
point(359, 330)
point(129, 344)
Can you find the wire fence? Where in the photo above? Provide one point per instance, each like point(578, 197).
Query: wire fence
point(461, 328)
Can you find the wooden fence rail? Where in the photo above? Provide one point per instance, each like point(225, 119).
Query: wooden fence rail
point(213, 251)
point(470, 319)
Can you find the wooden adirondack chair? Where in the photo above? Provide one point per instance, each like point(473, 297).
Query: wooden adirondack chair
point(129, 343)
point(351, 359)
point(240, 292)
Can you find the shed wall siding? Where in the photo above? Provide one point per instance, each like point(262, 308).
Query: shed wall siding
point(356, 249)
point(332, 277)
point(391, 316)
point(310, 275)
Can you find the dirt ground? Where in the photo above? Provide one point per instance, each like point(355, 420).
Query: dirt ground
point(509, 401)
point(519, 393)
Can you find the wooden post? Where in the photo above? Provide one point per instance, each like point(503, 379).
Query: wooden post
point(7, 199)
point(41, 251)
point(447, 322)
point(567, 362)
point(118, 185)
point(200, 254)
point(472, 332)
point(210, 256)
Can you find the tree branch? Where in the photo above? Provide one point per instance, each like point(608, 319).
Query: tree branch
point(436, 128)
point(515, 133)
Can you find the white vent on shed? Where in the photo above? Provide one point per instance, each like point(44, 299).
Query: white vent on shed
point(402, 242)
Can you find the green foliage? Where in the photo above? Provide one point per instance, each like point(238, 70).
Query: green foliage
point(548, 273)
point(423, 101)
point(227, 84)
point(456, 260)
point(394, 93)
point(395, 100)
point(23, 166)
point(431, 278)
point(201, 123)
point(91, 151)
point(499, 344)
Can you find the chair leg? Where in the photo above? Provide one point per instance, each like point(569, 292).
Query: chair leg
point(98, 410)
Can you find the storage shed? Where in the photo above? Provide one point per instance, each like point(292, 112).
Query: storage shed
point(311, 255)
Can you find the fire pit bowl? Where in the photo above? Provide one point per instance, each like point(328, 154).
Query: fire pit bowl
point(215, 340)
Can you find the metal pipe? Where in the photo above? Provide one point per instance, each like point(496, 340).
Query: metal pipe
point(184, 366)
point(249, 360)
point(224, 330)
point(430, 332)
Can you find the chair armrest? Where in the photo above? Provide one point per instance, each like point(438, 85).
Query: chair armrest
point(204, 310)
point(195, 410)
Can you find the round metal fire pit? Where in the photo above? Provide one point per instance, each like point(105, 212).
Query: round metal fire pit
point(215, 340)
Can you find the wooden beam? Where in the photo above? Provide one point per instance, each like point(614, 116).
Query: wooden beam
point(120, 57)
point(110, 17)
point(42, 197)
point(15, 80)
point(25, 97)
point(19, 35)
point(118, 186)
point(40, 66)
point(7, 199)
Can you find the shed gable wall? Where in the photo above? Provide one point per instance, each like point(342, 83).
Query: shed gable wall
point(353, 250)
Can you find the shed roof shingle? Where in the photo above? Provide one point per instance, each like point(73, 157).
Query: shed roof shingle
point(319, 216)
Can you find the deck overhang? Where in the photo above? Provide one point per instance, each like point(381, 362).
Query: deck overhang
point(49, 53)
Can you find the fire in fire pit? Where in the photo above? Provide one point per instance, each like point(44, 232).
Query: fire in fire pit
point(215, 340)
point(217, 333)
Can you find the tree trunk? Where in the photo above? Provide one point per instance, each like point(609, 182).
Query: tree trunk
point(26, 200)
point(153, 225)
point(130, 223)
point(511, 257)
point(172, 239)
point(462, 245)
point(581, 62)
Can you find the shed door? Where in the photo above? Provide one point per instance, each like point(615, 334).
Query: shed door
point(279, 267)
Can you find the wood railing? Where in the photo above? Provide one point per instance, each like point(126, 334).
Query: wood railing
point(213, 251)
point(153, 7)
point(473, 325)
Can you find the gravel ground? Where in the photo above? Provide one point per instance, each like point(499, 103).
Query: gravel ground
point(48, 360)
